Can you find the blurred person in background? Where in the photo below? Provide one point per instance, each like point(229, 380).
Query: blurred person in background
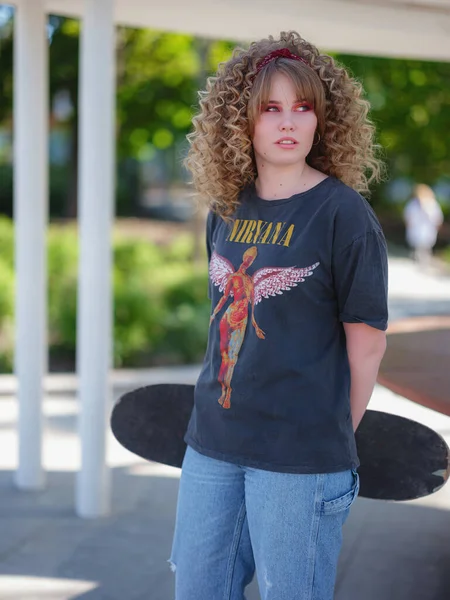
point(423, 217)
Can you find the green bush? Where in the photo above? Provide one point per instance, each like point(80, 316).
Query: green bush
point(6, 294)
point(180, 249)
point(6, 241)
point(136, 257)
point(138, 316)
point(161, 309)
point(186, 321)
point(62, 269)
point(159, 304)
point(6, 316)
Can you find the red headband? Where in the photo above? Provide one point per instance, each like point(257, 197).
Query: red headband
point(282, 52)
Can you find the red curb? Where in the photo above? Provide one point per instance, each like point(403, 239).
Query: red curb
point(417, 361)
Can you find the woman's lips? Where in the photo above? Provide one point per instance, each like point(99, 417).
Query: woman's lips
point(286, 142)
point(290, 146)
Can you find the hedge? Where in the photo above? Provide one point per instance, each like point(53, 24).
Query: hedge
point(161, 309)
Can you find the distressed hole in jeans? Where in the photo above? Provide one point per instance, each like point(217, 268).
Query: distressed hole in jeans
point(173, 566)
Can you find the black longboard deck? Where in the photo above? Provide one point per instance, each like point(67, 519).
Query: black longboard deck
point(400, 458)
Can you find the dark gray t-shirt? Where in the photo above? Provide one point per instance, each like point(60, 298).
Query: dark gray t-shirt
point(273, 392)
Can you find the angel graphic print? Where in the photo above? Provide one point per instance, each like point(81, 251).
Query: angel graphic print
point(242, 292)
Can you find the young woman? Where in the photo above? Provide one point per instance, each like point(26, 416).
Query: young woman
point(281, 149)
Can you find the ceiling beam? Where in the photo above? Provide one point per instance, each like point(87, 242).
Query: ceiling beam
point(394, 28)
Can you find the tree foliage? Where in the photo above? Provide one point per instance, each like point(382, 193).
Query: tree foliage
point(158, 77)
point(410, 102)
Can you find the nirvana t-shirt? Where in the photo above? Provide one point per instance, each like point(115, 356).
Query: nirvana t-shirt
point(274, 390)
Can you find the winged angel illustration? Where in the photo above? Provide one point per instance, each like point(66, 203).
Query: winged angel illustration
point(245, 290)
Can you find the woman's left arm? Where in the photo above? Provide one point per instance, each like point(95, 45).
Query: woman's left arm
point(366, 346)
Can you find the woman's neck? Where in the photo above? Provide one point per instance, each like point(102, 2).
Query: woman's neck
point(273, 183)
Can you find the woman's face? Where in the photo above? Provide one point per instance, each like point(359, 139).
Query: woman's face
point(284, 130)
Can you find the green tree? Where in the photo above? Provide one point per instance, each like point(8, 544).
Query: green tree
point(410, 100)
point(158, 77)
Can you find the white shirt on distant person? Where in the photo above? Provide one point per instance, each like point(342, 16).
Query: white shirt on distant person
point(422, 223)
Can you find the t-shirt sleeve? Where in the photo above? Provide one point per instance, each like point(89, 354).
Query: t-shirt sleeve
point(360, 274)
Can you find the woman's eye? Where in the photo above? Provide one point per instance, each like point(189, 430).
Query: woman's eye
point(299, 108)
point(304, 107)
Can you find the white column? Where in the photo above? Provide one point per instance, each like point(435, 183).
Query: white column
point(30, 214)
point(96, 190)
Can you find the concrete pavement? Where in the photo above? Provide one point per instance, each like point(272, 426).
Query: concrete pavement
point(391, 551)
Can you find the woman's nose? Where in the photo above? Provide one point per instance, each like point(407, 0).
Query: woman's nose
point(287, 125)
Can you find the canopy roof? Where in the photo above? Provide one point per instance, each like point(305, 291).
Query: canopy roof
point(396, 28)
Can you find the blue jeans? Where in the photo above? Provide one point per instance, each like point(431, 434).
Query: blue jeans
point(233, 519)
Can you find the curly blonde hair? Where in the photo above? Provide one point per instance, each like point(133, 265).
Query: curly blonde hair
point(221, 157)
